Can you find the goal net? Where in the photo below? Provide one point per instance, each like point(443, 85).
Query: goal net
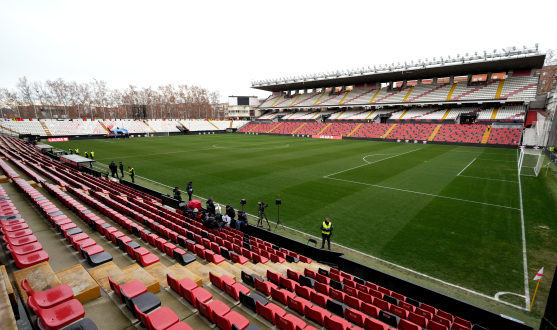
point(530, 162)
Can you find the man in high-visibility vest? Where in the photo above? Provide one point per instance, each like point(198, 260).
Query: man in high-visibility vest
point(326, 232)
point(71, 151)
point(92, 154)
point(76, 151)
point(132, 173)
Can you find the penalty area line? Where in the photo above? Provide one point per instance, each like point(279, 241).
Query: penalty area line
point(426, 194)
point(466, 167)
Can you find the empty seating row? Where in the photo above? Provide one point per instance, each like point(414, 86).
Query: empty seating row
point(20, 241)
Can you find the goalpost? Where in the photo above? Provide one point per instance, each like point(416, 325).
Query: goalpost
point(530, 162)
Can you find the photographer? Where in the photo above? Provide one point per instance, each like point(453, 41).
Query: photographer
point(189, 189)
point(242, 221)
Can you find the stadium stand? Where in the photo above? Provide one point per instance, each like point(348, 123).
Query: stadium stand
point(513, 88)
point(460, 133)
point(412, 131)
point(507, 136)
point(48, 127)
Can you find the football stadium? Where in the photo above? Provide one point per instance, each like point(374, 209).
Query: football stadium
point(408, 196)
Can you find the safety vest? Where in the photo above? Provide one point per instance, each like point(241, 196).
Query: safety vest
point(71, 150)
point(131, 171)
point(76, 151)
point(92, 154)
point(326, 227)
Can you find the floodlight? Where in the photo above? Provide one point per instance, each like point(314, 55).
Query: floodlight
point(524, 47)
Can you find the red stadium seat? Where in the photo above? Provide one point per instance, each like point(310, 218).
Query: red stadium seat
point(290, 322)
point(355, 316)
point(225, 322)
point(336, 323)
point(235, 289)
point(59, 316)
point(298, 304)
point(269, 311)
point(50, 297)
point(282, 295)
point(160, 319)
point(264, 286)
point(215, 307)
point(218, 281)
point(316, 314)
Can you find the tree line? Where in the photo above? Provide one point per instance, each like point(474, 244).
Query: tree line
point(70, 99)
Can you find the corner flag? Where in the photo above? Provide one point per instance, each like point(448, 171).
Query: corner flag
point(537, 278)
point(539, 275)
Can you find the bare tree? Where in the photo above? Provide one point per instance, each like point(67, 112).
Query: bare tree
point(26, 93)
point(550, 57)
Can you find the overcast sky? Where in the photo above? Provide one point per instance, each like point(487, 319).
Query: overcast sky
point(224, 45)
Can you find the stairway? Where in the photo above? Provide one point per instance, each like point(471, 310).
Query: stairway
point(274, 128)
point(345, 95)
point(446, 114)
point(297, 129)
point(408, 95)
point(215, 126)
point(106, 129)
point(486, 135)
point(354, 130)
point(494, 114)
point(324, 129)
point(451, 93)
point(9, 130)
point(296, 99)
point(499, 89)
point(432, 136)
point(46, 130)
point(389, 131)
point(231, 122)
point(149, 127)
point(256, 126)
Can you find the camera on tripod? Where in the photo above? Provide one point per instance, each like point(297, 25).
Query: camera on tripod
point(262, 206)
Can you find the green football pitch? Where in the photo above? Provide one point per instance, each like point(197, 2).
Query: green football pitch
point(457, 214)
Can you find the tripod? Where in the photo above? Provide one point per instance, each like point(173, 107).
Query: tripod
point(262, 216)
point(278, 218)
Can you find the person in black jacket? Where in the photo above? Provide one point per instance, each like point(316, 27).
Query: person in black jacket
point(189, 189)
point(122, 169)
point(230, 212)
point(211, 206)
point(177, 194)
point(113, 169)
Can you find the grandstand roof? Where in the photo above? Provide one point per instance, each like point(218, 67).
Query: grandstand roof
point(534, 61)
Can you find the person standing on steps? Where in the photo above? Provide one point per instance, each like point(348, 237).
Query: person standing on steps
point(132, 173)
point(113, 169)
point(326, 232)
point(122, 169)
point(189, 189)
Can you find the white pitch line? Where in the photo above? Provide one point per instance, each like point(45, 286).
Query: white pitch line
point(369, 163)
point(477, 177)
point(524, 256)
point(466, 167)
point(421, 193)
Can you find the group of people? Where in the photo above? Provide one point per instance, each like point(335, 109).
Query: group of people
point(88, 153)
point(114, 169)
point(178, 195)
